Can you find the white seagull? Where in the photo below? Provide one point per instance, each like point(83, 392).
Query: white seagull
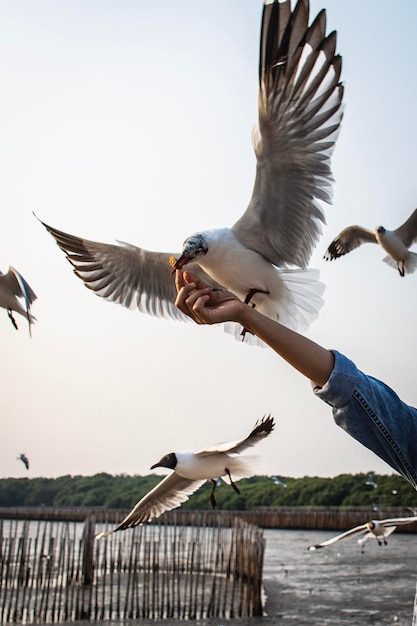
point(379, 529)
point(395, 243)
point(12, 287)
point(191, 470)
point(300, 111)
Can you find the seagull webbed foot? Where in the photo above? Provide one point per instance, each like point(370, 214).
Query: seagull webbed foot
point(12, 319)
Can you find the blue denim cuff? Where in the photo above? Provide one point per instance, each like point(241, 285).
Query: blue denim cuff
point(338, 390)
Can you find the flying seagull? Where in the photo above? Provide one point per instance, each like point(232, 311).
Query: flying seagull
point(394, 242)
point(24, 460)
point(191, 470)
point(12, 287)
point(370, 481)
point(379, 529)
point(263, 257)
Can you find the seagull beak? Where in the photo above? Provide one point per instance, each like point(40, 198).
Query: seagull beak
point(181, 261)
point(156, 465)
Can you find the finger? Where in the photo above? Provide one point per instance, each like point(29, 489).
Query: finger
point(182, 296)
point(199, 308)
point(179, 279)
point(189, 277)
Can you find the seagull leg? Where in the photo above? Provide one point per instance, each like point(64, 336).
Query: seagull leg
point(247, 300)
point(12, 319)
point(251, 293)
point(212, 498)
point(231, 481)
point(400, 268)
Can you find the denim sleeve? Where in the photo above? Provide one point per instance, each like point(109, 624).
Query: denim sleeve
point(374, 415)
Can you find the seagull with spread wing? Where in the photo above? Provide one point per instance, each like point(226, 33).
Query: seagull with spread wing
point(191, 470)
point(378, 529)
point(13, 288)
point(22, 457)
point(395, 243)
point(263, 258)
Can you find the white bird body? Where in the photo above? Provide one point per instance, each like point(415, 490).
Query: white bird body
point(378, 529)
point(12, 288)
point(395, 243)
point(293, 297)
point(299, 116)
point(191, 470)
point(234, 266)
point(196, 466)
point(392, 244)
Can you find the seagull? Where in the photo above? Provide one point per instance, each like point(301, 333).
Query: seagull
point(279, 481)
point(12, 287)
point(263, 258)
point(370, 481)
point(24, 460)
point(379, 529)
point(191, 470)
point(394, 242)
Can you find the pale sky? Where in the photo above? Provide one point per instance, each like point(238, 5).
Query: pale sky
point(131, 120)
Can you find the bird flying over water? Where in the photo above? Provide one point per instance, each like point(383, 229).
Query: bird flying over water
point(378, 529)
point(263, 257)
point(22, 457)
point(191, 470)
point(394, 242)
point(12, 288)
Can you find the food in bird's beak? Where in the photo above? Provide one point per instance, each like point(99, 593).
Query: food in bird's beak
point(177, 264)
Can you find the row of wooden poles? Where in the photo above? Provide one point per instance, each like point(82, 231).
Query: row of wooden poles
point(57, 571)
point(305, 518)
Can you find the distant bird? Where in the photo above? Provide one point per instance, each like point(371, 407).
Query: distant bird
point(12, 287)
point(394, 242)
point(370, 481)
point(22, 457)
point(279, 482)
point(191, 470)
point(379, 529)
point(300, 111)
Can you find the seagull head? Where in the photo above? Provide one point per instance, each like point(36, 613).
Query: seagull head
point(380, 230)
point(193, 247)
point(169, 460)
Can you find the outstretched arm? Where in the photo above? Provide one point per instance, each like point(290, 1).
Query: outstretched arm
point(207, 306)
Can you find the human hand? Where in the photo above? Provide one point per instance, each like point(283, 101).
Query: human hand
point(204, 304)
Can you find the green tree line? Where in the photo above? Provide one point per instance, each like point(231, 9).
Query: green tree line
point(123, 491)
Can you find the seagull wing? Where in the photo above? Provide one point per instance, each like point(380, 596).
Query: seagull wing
point(408, 231)
point(300, 110)
point(19, 286)
point(14, 282)
point(170, 493)
point(348, 533)
point(125, 274)
point(347, 240)
point(261, 430)
point(398, 521)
